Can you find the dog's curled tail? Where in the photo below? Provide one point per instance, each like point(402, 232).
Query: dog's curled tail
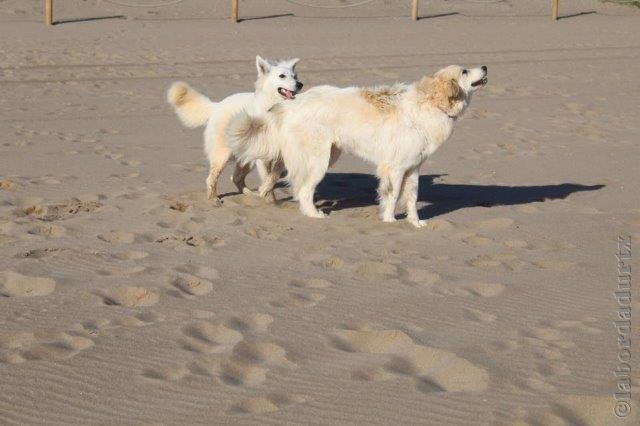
point(192, 108)
point(250, 138)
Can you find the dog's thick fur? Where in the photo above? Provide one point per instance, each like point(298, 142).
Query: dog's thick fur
point(396, 128)
point(276, 82)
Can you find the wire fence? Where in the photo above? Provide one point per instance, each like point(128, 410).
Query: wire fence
point(235, 6)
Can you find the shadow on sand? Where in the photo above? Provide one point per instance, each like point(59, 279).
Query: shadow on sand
point(349, 190)
point(96, 18)
point(257, 18)
point(575, 15)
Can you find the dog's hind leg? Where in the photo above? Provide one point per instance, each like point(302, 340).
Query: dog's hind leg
point(238, 178)
point(272, 171)
point(218, 159)
point(388, 191)
point(305, 188)
point(409, 197)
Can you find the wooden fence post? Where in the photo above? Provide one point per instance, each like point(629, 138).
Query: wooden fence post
point(48, 12)
point(234, 10)
point(554, 9)
point(414, 10)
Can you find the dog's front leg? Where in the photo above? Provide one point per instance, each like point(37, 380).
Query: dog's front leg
point(409, 196)
point(388, 191)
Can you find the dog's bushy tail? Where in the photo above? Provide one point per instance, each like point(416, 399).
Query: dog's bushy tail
point(252, 138)
point(193, 108)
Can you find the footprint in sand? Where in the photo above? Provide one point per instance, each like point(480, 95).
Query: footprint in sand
point(558, 335)
point(18, 347)
point(42, 253)
point(208, 337)
point(123, 270)
point(556, 265)
point(505, 262)
point(434, 370)
point(131, 255)
point(182, 241)
point(266, 404)
point(372, 269)
point(229, 370)
point(228, 356)
point(97, 327)
point(326, 262)
point(313, 283)
point(51, 212)
point(477, 240)
point(261, 352)
point(465, 289)
point(298, 300)
point(192, 285)
point(180, 206)
point(118, 237)
point(252, 322)
point(13, 284)
point(169, 372)
point(479, 316)
point(438, 225)
point(198, 270)
point(419, 276)
point(517, 244)
point(250, 362)
point(130, 297)
point(262, 233)
point(49, 231)
point(241, 373)
point(373, 374)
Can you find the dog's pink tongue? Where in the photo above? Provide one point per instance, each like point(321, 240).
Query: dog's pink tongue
point(288, 94)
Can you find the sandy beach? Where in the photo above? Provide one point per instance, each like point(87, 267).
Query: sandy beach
point(127, 297)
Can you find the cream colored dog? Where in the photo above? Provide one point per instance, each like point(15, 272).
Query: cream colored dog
point(396, 128)
point(276, 82)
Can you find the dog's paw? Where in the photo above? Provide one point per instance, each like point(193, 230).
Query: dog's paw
point(418, 223)
point(247, 191)
point(389, 219)
point(316, 215)
point(269, 197)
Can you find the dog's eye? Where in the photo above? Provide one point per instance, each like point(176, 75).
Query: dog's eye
point(465, 72)
point(281, 76)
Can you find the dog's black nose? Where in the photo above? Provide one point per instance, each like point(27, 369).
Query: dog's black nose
point(299, 85)
point(484, 68)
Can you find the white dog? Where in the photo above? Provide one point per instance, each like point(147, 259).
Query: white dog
point(395, 127)
point(276, 82)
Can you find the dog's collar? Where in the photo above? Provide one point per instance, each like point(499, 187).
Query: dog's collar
point(453, 117)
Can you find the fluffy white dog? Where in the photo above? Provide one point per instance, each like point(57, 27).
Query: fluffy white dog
point(395, 127)
point(276, 82)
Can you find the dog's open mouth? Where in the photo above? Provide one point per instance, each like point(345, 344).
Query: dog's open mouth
point(480, 82)
point(285, 93)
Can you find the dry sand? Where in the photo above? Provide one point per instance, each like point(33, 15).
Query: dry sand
point(130, 298)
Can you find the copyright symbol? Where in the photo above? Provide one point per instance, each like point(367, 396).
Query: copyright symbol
point(622, 409)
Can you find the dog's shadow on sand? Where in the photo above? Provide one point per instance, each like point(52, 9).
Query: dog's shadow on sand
point(340, 191)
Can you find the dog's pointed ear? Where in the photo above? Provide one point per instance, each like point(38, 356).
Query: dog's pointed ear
point(293, 62)
point(262, 66)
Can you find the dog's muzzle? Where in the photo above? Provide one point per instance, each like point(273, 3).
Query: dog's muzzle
point(483, 80)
